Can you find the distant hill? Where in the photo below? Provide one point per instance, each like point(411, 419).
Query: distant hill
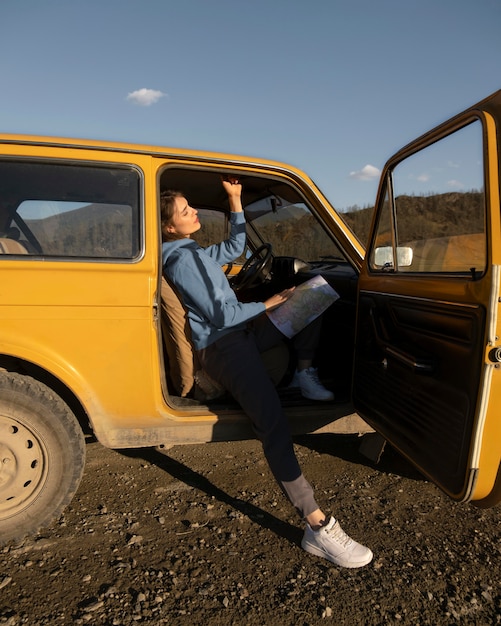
point(433, 216)
point(95, 230)
point(104, 230)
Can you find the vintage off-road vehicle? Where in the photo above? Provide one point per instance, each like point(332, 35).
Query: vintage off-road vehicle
point(88, 343)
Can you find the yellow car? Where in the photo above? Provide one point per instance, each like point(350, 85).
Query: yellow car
point(90, 334)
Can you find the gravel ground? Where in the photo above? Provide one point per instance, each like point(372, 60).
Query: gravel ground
point(202, 535)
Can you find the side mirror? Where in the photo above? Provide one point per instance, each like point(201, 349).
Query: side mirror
point(383, 257)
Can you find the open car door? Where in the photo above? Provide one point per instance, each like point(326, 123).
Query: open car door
point(427, 371)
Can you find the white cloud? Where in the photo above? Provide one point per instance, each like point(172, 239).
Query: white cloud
point(455, 184)
point(145, 97)
point(423, 178)
point(368, 172)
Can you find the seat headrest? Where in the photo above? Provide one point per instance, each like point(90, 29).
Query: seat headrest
point(11, 246)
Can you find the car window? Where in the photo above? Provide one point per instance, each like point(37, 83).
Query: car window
point(275, 211)
point(63, 210)
point(436, 199)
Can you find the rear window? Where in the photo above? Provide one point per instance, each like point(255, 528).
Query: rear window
point(69, 210)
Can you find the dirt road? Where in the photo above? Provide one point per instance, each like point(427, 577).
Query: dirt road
point(201, 535)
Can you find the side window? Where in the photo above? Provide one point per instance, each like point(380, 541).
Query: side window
point(276, 212)
point(433, 219)
point(70, 210)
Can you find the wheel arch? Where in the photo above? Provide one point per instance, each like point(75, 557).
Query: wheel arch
point(22, 366)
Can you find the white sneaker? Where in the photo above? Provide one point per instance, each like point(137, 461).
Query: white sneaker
point(308, 382)
point(333, 544)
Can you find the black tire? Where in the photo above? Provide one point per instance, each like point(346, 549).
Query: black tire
point(42, 456)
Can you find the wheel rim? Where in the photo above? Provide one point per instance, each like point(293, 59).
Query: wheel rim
point(23, 467)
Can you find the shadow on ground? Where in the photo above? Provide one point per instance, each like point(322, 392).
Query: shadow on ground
point(194, 479)
point(347, 447)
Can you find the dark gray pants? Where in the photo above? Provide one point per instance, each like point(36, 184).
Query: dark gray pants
point(234, 361)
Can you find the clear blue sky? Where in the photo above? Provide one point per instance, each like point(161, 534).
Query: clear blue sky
point(333, 87)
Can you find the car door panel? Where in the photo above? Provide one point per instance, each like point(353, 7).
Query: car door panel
point(428, 351)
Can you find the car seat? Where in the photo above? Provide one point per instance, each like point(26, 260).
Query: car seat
point(184, 371)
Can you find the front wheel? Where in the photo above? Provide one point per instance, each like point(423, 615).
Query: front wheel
point(42, 456)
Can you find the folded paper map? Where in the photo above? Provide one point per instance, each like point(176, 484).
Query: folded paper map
point(309, 300)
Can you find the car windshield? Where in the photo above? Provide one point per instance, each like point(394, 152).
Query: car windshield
point(291, 228)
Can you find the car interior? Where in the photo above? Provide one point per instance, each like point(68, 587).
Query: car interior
point(287, 244)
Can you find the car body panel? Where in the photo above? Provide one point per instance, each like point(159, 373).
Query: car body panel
point(94, 325)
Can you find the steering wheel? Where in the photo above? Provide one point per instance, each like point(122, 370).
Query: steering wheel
point(255, 270)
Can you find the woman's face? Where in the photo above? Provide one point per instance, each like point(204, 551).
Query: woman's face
point(185, 220)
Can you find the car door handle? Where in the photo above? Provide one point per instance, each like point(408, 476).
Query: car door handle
point(420, 364)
